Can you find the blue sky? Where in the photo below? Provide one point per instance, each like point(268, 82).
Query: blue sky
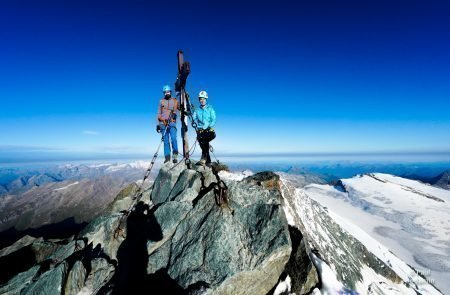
point(283, 76)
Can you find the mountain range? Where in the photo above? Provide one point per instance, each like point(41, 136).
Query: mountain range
point(269, 234)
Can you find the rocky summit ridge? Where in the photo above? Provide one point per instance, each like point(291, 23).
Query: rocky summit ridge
point(179, 240)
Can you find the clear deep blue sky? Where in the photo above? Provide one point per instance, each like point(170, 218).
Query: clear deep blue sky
point(283, 76)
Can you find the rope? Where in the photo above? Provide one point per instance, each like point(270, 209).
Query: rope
point(190, 153)
point(138, 194)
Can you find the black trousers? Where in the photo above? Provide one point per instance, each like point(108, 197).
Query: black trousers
point(205, 151)
point(203, 139)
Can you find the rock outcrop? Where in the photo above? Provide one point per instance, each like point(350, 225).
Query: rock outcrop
point(179, 239)
point(182, 241)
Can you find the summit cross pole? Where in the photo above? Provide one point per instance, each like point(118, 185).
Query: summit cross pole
point(180, 87)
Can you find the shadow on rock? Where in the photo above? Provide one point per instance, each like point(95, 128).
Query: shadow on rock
point(132, 256)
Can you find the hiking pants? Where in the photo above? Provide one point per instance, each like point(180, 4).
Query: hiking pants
point(172, 133)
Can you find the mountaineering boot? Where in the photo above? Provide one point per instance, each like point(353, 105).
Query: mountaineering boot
point(167, 159)
point(175, 158)
point(201, 162)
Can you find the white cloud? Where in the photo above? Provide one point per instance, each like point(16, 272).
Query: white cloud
point(90, 132)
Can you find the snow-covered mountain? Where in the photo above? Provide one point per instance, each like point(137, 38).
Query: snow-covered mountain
point(266, 237)
point(46, 198)
point(15, 181)
point(403, 222)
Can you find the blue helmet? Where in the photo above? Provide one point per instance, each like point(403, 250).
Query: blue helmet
point(166, 88)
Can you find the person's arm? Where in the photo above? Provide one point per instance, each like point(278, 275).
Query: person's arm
point(213, 118)
point(194, 116)
point(206, 121)
point(159, 115)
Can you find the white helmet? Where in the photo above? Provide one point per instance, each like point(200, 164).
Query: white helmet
point(203, 94)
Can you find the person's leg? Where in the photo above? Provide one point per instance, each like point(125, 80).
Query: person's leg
point(173, 139)
point(203, 158)
point(208, 157)
point(166, 142)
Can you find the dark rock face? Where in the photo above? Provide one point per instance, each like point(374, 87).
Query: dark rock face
point(182, 242)
point(179, 240)
point(236, 249)
point(442, 180)
point(300, 269)
point(266, 179)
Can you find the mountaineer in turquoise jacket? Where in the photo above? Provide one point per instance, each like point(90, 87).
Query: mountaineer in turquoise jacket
point(205, 117)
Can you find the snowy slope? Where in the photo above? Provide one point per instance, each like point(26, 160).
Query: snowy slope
point(347, 256)
point(408, 217)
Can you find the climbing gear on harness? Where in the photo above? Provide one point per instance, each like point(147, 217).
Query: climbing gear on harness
point(167, 105)
point(219, 188)
point(206, 135)
point(203, 94)
point(158, 128)
point(166, 88)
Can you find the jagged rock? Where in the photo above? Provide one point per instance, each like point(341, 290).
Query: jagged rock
point(44, 249)
point(123, 200)
point(442, 180)
point(185, 181)
point(184, 240)
point(100, 233)
point(101, 273)
point(303, 275)
point(267, 179)
point(75, 279)
point(23, 254)
point(19, 282)
point(209, 247)
point(67, 250)
point(23, 242)
point(164, 183)
point(48, 283)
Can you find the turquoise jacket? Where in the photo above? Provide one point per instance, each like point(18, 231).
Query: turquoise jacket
point(205, 117)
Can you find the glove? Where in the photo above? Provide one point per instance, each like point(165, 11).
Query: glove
point(158, 128)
